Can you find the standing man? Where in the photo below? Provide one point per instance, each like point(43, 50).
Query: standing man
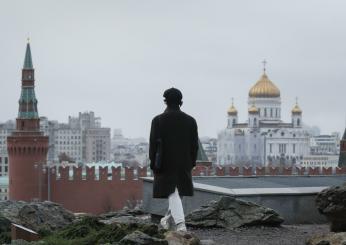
point(174, 134)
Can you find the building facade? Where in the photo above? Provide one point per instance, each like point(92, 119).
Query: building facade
point(97, 144)
point(320, 161)
point(264, 139)
point(325, 144)
point(78, 140)
point(6, 129)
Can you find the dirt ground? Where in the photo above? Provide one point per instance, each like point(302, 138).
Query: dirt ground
point(285, 235)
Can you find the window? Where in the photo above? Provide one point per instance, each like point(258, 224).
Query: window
point(255, 122)
point(282, 148)
point(265, 112)
point(271, 148)
point(298, 122)
point(271, 112)
point(6, 160)
point(294, 148)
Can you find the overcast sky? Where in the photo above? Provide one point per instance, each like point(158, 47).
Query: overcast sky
point(117, 57)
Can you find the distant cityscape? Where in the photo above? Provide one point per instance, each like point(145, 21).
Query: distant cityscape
point(92, 152)
point(83, 140)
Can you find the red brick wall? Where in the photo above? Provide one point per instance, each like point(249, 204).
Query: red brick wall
point(96, 196)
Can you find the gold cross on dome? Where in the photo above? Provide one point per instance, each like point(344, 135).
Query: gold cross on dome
point(264, 62)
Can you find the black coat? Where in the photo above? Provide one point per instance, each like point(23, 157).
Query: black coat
point(178, 132)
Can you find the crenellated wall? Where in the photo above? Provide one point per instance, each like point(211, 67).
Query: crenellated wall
point(96, 190)
point(99, 190)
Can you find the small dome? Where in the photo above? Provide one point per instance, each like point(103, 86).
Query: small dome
point(232, 111)
point(296, 109)
point(253, 109)
point(264, 88)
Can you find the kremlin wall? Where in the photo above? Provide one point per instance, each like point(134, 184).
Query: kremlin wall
point(87, 189)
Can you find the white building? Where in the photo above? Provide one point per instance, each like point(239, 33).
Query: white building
point(129, 151)
point(320, 161)
point(82, 139)
point(6, 129)
point(70, 142)
point(264, 139)
point(97, 144)
point(210, 148)
point(325, 144)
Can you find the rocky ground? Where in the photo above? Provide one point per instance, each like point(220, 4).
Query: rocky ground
point(238, 222)
point(285, 235)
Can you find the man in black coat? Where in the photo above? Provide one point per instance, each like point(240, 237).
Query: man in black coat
point(178, 136)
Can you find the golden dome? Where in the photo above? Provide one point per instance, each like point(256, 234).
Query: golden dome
point(264, 88)
point(232, 111)
point(296, 109)
point(253, 109)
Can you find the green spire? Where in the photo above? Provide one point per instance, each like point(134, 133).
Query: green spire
point(28, 59)
point(201, 156)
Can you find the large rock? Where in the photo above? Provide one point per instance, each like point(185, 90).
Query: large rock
point(5, 229)
point(332, 203)
point(328, 239)
point(181, 238)
point(230, 212)
point(140, 238)
point(38, 216)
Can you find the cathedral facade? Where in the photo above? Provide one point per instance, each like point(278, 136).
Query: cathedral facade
point(264, 139)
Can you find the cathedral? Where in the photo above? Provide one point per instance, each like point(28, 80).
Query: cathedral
point(264, 140)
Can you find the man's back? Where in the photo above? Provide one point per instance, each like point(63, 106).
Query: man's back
point(178, 132)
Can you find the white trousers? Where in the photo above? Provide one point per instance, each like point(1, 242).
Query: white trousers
point(175, 207)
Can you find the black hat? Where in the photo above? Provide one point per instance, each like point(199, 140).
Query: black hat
point(173, 95)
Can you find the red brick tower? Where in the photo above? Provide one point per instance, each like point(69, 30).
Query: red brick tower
point(342, 158)
point(27, 146)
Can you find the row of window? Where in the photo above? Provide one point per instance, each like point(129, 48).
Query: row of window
point(270, 112)
point(68, 142)
point(68, 137)
point(282, 148)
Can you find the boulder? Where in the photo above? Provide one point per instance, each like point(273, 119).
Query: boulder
point(328, 239)
point(181, 238)
point(38, 216)
point(5, 230)
point(140, 238)
point(331, 202)
point(125, 220)
point(230, 212)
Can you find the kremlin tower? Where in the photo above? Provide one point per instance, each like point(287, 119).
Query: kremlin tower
point(342, 158)
point(27, 146)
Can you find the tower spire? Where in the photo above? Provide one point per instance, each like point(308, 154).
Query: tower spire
point(28, 59)
point(28, 101)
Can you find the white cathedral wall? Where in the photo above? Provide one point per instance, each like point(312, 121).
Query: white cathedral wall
point(249, 149)
point(272, 106)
